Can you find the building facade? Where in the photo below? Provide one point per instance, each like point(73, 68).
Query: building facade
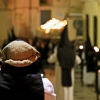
point(26, 15)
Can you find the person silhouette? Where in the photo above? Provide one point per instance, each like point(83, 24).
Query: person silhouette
point(19, 76)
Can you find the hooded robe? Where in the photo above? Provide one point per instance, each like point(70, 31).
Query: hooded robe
point(66, 57)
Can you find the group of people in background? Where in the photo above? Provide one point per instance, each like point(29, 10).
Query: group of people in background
point(62, 55)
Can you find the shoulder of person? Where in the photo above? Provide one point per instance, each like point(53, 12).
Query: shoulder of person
point(48, 89)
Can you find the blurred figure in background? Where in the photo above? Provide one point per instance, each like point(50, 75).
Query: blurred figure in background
point(58, 73)
point(66, 58)
point(57, 80)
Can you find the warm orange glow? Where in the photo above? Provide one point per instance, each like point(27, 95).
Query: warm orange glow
point(53, 24)
point(99, 71)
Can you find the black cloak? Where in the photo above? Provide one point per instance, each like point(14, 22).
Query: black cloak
point(66, 57)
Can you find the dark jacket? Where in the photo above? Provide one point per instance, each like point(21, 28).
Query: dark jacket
point(20, 83)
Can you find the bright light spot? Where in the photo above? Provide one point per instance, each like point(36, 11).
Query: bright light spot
point(96, 49)
point(53, 24)
point(81, 47)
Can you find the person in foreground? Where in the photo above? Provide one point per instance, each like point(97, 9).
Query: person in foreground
point(19, 76)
